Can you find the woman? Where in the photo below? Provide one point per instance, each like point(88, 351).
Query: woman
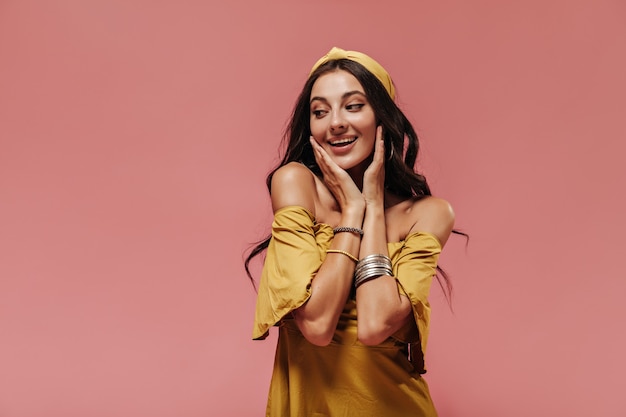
point(353, 250)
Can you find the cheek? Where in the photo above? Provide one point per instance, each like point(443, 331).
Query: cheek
point(365, 121)
point(368, 126)
point(317, 130)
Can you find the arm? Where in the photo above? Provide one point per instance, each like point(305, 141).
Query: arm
point(381, 309)
point(294, 185)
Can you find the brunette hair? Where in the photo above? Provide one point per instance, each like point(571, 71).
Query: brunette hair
point(401, 143)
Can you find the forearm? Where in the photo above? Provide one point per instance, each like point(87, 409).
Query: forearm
point(381, 311)
point(375, 231)
point(318, 317)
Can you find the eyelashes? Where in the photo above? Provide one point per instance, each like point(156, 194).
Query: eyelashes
point(355, 107)
point(319, 113)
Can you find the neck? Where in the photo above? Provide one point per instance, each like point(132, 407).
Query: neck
point(357, 176)
point(357, 172)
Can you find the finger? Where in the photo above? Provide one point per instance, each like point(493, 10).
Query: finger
point(321, 157)
point(316, 149)
point(379, 147)
point(314, 144)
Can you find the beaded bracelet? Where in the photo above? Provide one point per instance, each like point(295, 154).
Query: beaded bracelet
point(348, 229)
point(343, 252)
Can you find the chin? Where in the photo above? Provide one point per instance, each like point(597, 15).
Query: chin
point(347, 165)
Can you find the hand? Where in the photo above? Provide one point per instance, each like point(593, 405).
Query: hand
point(374, 177)
point(337, 180)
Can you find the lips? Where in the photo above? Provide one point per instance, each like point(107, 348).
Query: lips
point(342, 141)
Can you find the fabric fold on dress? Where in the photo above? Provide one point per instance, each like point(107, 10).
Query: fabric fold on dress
point(414, 264)
point(292, 260)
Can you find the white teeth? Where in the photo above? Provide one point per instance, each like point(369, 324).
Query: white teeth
point(343, 141)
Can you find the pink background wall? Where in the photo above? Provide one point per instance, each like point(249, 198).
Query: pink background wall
point(134, 141)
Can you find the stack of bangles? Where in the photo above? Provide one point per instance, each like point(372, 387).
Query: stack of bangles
point(368, 268)
point(371, 267)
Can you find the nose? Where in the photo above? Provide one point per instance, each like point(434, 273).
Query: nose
point(337, 122)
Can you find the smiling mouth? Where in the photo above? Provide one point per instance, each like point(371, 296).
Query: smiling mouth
point(343, 142)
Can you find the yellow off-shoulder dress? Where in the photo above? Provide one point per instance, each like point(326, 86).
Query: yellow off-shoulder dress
point(345, 378)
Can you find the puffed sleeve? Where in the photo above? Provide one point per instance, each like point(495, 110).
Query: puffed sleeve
point(414, 265)
point(293, 258)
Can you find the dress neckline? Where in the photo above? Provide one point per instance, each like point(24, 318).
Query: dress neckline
point(326, 225)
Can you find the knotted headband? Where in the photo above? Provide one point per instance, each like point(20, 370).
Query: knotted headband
point(371, 65)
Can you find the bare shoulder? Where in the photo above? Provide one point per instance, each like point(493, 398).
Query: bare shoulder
point(433, 215)
point(293, 185)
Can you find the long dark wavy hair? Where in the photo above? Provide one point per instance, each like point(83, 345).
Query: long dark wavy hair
point(401, 145)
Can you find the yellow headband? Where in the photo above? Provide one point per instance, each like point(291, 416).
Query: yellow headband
point(371, 65)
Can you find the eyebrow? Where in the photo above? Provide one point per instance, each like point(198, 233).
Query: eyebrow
point(343, 96)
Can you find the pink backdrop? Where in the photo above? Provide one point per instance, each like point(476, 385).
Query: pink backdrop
point(134, 141)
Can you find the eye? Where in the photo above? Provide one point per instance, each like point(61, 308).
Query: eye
point(319, 113)
point(355, 107)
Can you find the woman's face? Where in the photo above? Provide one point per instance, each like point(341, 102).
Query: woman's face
point(342, 120)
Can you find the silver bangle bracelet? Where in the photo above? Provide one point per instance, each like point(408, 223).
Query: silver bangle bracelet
point(372, 273)
point(376, 256)
point(357, 284)
point(372, 270)
point(372, 267)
